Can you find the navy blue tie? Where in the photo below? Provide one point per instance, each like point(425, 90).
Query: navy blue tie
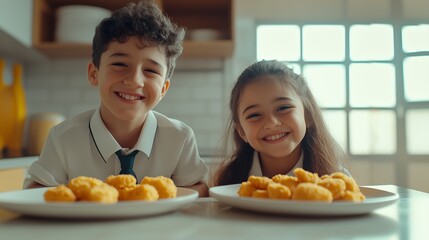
point(127, 162)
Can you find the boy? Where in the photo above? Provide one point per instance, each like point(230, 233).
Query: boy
point(134, 53)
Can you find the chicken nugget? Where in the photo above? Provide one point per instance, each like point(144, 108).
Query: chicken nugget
point(165, 186)
point(305, 176)
point(336, 185)
point(351, 184)
point(121, 181)
point(260, 193)
point(325, 176)
point(144, 192)
point(278, 191)
point(246, 189)
point(82, 185)
point(103, 193)
point(353, 196)
point(312, 192)
point(259, 182)
point(59, 193)
point(286, 180)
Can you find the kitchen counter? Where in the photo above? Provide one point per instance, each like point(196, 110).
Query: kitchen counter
point(207, 218)
point(19, 162)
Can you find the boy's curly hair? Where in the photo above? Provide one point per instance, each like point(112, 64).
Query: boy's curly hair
point(145, 20)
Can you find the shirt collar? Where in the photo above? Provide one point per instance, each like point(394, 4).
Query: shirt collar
point(256, 166)
point(107, 145)
point(147, 135)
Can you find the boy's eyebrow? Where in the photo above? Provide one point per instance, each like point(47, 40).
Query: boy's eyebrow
point(118, 54)
point(275, 100)
point(121, 54)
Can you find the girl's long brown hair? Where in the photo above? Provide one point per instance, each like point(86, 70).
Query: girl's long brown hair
point(322, 154)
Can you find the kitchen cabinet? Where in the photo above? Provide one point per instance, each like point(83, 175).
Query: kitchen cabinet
point(192, 14)
point(11, 179)
point(13, 171)
point(15, 31)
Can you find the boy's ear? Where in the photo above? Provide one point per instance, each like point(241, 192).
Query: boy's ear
point(92, 74)
point(240, 132)
point(165, 87)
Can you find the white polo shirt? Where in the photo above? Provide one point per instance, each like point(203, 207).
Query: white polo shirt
point(82, 146)
point(256, 169)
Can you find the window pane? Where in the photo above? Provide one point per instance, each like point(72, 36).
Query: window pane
point(327, 83)
point(371, 42)
point(372, 132)
point(416, 78)
point(323, 43)
point(336, 123)
point(372, 85)
point(415, 38)
point(295, 67)
point(281, 42)
point(417, 130)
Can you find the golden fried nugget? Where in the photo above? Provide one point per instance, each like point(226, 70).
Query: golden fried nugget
point(59, 193)
point(144, 192)
point(121, 181)
point(165, 186)
point(305, 176)
point(246, 189)
point(353, 196)
point(260, 193)
point(312, 192)
point(286, 180)
point(259, 182)
point(82, 185)
point(103, 193)
point(325, 176)
point(336, 185)
point(278, 191)
point(351, 184)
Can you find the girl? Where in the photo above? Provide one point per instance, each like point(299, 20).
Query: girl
point(277, 126)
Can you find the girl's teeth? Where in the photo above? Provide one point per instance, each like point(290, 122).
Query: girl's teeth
point(275, 137)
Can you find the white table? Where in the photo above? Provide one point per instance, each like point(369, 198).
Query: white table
point(207, 218)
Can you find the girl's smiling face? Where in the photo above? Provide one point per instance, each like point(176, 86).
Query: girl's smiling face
point(271, 119)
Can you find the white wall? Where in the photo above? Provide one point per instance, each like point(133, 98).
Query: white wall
point(15, 19)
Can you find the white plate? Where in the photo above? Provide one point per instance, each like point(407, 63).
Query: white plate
point(31, 202)
point(374, 199)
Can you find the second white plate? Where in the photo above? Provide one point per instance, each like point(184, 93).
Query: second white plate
point(374, 199)
point(31, 202)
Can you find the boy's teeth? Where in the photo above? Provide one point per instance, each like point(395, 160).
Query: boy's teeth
point(129, 97)
point(275, 137)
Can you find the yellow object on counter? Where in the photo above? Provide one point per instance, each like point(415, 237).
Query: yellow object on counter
point(12, 112)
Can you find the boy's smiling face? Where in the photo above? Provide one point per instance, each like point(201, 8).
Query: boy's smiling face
point(131, 80)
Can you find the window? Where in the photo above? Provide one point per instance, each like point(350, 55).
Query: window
point(372, 90)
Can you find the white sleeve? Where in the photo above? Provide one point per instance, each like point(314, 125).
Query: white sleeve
point(49, 169)
point(191, 167)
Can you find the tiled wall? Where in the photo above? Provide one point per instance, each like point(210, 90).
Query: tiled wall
point(196, 94)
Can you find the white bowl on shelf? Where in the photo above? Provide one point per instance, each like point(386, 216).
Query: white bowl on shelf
point(77, 23)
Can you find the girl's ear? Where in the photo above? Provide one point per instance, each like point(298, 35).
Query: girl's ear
point(164, 88)
point(240, 131)
point(92, 74)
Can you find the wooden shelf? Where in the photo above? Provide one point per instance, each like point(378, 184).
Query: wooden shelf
point(191, 14)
